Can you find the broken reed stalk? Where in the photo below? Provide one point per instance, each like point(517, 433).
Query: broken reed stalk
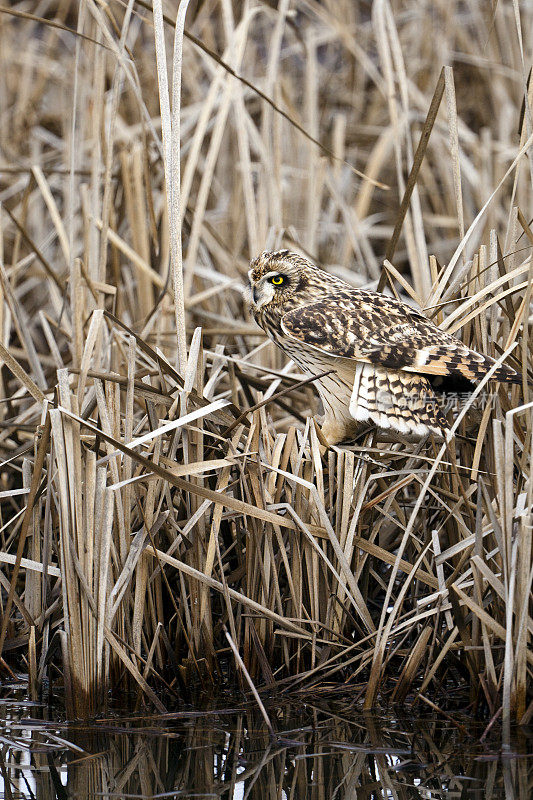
point(182, 495)
point(170, 131)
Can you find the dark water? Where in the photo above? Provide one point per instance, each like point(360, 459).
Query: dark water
point(321, 751)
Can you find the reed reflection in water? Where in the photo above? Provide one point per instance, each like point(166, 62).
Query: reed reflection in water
point(318, 754)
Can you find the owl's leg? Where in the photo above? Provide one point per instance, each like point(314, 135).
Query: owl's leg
point(331, 431)
point(338, 424)
point(336, 430)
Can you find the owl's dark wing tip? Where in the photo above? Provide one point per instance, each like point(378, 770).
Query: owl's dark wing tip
point(507, 374)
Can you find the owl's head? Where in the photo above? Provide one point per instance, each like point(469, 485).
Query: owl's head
point(276, 278)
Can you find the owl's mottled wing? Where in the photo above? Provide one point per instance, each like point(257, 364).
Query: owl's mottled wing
point(380, 330)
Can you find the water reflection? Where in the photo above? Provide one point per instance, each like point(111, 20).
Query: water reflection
point(319, 753)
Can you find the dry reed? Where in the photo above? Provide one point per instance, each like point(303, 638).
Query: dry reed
point(159, 493)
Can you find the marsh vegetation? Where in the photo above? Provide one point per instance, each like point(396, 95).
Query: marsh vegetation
point(169, 523)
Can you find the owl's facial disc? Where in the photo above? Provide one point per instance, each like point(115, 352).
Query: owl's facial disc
point(268, 288)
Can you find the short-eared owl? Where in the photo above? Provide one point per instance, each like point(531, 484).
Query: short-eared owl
point(383, 354)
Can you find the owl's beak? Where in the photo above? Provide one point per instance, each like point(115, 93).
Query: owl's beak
point(260, 294)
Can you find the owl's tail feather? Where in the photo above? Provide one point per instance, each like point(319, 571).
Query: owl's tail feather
point(403, 402)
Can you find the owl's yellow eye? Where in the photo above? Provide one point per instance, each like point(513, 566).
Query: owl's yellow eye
point(277, 280)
